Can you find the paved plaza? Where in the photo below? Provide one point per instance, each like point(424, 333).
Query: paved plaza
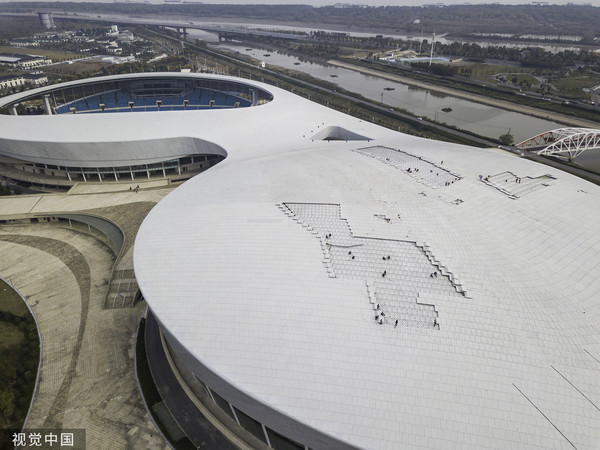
point(87, 377)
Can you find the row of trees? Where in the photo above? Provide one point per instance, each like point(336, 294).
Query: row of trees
point(437, 69)
point(11, 27)
point(329, 46)
point(528, 57)
point(486, 18)
point(18, 369)
point(578, 19)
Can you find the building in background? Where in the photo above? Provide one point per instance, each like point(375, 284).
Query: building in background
point(46, 19)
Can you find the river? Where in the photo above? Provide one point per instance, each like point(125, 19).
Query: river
point(481, 119)
point(483, 41)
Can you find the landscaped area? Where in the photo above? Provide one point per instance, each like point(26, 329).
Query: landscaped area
point(19, 360)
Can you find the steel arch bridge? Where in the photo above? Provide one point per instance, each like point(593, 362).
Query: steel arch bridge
point(566, 143)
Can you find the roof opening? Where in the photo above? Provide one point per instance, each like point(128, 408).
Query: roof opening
point(335, 133)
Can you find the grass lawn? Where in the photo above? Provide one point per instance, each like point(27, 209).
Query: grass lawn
point(92, 67)
point(525, 78)
point(487, 73)
point(19, 358)
point(575, 85)
point(484, 79)
point(11, 335)
point(53, 54)
point(489, 70)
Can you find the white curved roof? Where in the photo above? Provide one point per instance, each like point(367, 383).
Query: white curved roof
point(283, 315)
point(119, 139)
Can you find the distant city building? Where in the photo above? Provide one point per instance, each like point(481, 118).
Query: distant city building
point(158, 58)
point(23, 42)
point(115, 49)
point(349, 5)
point(125, 36)
point(118, 59)
point(51, 37)
point(35, 79)
point(11, 81)
point(108, 40)
point(46, 19)
point(392, 55)
point(80, 39)
point(23, 61)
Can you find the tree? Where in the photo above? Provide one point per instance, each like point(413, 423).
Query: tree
point(8, 372)
point(506, 139)
point(7, 404)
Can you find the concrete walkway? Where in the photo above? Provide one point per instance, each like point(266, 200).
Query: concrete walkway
point(20, 205)
point(87, 378)
point(97, 188)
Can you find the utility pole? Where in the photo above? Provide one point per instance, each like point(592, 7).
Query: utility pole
point(432, 45)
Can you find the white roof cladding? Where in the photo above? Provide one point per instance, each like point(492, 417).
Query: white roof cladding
point(120, 139)
point(246, 289)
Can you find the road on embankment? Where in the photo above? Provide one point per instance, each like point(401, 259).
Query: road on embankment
point(544, 114)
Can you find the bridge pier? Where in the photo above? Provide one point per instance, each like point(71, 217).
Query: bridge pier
point(182, 32)
point(47, 104)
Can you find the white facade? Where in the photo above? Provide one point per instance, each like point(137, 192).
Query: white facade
point(34, 62)
point(78, 147)
point(11, 81)
point(24, 61)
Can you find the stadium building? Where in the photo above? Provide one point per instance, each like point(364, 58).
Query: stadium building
point(23, 61)
point(332, 284)
point(65, 134)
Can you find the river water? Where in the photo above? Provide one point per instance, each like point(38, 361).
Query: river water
point(481, 119)
point(483, 41)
